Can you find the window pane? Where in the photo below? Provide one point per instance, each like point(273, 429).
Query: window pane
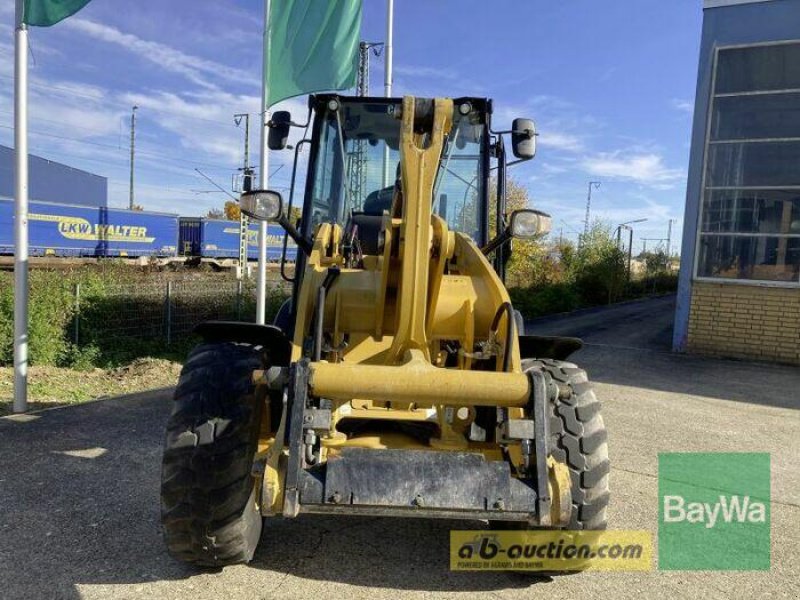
point(766, 258)
point(758, 68)
point(459, 181)
point(747, 211)
point(346, 183)
point(753, 165)
point(754, 117)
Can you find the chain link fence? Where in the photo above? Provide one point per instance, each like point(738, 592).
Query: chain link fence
point(162, 311)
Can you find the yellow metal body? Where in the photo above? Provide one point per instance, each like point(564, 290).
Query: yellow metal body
point(429, 287)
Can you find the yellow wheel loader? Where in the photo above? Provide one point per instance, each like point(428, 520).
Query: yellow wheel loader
point(397, 380)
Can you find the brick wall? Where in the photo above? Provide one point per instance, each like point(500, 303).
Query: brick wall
point(745, 321)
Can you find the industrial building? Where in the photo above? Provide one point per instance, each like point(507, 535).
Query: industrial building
point(50, 181)
point(739, 291)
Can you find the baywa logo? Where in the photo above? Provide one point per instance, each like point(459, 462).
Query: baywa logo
point(714, 511)
point(730, 509)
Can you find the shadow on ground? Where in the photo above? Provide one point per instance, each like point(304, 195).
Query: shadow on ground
point(80, 506)
point(79, 487)
point(629, 345)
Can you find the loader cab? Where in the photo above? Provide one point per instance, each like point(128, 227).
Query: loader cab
point(355, 157)
point(353, 166)
point(353, 170)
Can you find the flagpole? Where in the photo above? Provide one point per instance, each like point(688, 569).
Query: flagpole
point(263, 175)
point(21, 212)
point(387, 78)
point(387, 75)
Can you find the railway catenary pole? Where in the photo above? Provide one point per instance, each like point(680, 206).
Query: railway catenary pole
point(244, 222)
point(592, 185)
point(20, 212)
point(669, 238)
point(131, 202)
point(263, 176)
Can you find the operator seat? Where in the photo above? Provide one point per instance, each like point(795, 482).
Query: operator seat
point(370, 220)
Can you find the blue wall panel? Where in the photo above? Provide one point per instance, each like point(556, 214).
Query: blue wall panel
point(53, 182)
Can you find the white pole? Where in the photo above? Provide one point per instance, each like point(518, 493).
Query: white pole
point(21, 213)
point(263, 176)
point(387, 77)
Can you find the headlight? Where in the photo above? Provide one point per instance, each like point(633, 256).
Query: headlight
point(528, 224)
point(264, 205)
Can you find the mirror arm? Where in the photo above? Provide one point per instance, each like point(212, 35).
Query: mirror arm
point(497, 242)
point(302, 242)
point(516, 162)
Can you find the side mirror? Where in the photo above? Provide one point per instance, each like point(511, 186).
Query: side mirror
point(525, 224)
point(528, 224)
point(279, 126)
point(523, 139)
point(262, 205)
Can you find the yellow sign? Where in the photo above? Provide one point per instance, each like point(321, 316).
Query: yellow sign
point(556, 550)
point(75, 228)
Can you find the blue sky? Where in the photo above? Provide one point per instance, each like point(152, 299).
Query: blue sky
point(610, 84)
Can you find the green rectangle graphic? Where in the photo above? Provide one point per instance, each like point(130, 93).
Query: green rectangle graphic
point(714, 511)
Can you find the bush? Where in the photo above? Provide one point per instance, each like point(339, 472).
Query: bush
point(50, 310)
point(121, 314)
point(569, 277)
point(534, 302)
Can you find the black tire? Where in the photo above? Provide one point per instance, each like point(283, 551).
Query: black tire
point(208, 500)
point(578, 438)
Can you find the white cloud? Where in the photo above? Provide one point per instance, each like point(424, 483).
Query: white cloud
point(552, 169)
point(195, 69)
point(424, 71)
point(646, 168)
point(682, 105)
point(204, 121)
point(557, 140)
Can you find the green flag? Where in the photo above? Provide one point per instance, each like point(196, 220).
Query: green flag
point(313, 46)
point(44, 13)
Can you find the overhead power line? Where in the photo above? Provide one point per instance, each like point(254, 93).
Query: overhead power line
point(138, 152)
point(121, 104)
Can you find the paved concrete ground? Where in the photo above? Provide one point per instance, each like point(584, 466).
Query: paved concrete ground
point(79, 491)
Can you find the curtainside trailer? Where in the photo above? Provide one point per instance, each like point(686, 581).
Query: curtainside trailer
point(63, 230)
point(216, 239)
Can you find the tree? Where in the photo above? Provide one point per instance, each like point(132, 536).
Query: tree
point(232, 211)
point(655, 262)
point(530, 263)
point(137, 208)
point(598, 267)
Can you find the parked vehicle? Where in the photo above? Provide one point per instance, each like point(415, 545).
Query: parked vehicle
point(63, 230)
point(210, 238)
point(81, 232)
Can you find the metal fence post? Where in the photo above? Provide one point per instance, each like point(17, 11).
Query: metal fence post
point(239, 300)
point(169, 312)
point(77, 318)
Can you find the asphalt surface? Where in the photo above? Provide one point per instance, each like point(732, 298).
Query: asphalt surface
point(79, 509)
